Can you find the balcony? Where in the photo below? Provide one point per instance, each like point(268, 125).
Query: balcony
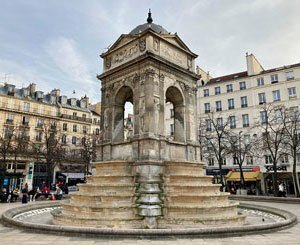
point(9, 121)
point(81, 119)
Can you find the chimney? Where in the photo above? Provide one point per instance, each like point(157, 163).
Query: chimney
point(253, 65)
point(55, 92)
point(32, 87)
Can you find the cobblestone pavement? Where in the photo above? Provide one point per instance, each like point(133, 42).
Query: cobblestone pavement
point(10, 235)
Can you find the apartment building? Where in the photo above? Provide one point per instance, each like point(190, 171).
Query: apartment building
point(33, 114)
point(240, 97)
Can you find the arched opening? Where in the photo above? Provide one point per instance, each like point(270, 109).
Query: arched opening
point(175, 105)
point(123, 96)
point(128, 120)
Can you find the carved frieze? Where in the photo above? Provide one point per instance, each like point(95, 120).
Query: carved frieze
point(124, 54)
point(142, 44)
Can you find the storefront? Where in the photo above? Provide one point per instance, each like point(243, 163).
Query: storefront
point(252, 178)
point(284, 175)
point(216, 174)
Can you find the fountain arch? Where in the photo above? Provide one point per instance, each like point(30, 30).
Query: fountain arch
point(174, 96)
point(123, 95)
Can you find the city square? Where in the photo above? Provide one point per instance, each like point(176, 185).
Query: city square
point(154, 148)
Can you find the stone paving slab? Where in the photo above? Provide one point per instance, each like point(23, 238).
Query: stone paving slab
point(291, 236)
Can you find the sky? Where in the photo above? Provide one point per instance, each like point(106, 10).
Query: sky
point(57, 43)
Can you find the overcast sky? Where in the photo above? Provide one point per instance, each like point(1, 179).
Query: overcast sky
point(56, 44)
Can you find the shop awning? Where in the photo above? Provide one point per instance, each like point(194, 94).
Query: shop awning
point(248, 176)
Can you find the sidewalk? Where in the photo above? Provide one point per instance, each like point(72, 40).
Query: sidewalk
point(10, 235)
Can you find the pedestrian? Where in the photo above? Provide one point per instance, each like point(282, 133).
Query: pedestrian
point(58, 193)
point(281, 190)
point(25, 194)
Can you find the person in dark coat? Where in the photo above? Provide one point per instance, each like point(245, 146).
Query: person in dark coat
point(25, 194)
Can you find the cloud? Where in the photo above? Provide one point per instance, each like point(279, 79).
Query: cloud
point(67, 58)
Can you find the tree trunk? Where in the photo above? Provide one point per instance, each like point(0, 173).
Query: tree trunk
point(295, 177)
point(275, 180)
point(221, 177)
point(242, 179)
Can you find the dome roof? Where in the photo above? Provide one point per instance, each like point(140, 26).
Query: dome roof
point(149, 25)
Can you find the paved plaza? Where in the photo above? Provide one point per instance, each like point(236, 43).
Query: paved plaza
point(10, 235)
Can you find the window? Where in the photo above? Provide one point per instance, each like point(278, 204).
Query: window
point(25, 120)
point(249, 160)
point(246, 139)
point(261, 98)
point(207, 107)
point(8, 133)
point(230, 104)
point(83, 115)
point(97, 131)
point(242, 85)
point(244, 102)
point(206, 92)
point(10, 118)
point(292, 92)
point(235, 161)
point(289, 75)
point(208, 124)
point(294, 112)
point(278, 115)
point(74, 114)
point(65, 127)
point(172, 113)
point(39, 136)
point(260, 81)
point(217, 90)
point(219, 123)
point(268, 159)
point(40, 123)
point(223, 160)
point(284, 158)
point(64, 139)
point(26, 107)
point(298, 158)
point(74, 128)
point(84, 129)
point(172, 129)
point(218, 105)
point(276, 95)
point(263, 117)
point(274, 78)
point(74, 140)
point(229, 88)
point(245, 118)
point(232, 122)
point(211, 161)
point(53, 124)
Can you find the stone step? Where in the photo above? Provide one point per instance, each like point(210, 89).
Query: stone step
point(196, 200)
point(109, 200)
point(110, 179)
point(118, 222)
point(169, 189)
point(94, 211)
point(188, 179)
point(184, 168)
point(208, 212)
point(178, 223)
point(107, 189)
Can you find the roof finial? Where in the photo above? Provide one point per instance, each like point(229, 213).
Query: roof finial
point(149, 19)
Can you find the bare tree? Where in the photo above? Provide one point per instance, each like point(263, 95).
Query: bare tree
point(88, 152)
point(213, 140)
point(6, 141)
point(50, 149)
point(272, 138)
point(292, 141)
point(240, 146)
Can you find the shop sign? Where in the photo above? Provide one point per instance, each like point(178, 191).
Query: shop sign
point(256, 169)
point(280, 168)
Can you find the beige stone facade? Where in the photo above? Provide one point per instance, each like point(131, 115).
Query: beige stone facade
point(31, 113)
point(242, 95)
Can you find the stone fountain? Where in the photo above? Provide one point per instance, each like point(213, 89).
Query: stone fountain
point(150, 180)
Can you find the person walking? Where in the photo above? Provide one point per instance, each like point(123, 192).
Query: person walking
point(25, 194)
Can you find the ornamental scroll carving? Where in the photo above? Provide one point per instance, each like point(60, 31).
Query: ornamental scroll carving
point(142, 44)
point(125, 53)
